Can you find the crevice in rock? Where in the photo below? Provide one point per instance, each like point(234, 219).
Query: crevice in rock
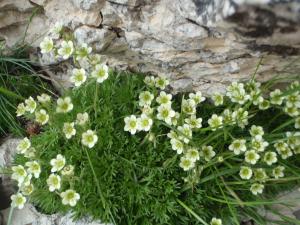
point(282, 50)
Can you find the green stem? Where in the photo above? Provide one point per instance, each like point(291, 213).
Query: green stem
point(10, 93)
point(95, 99)
point(11, 210)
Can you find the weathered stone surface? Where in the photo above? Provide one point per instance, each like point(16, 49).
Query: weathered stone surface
point(206, 44)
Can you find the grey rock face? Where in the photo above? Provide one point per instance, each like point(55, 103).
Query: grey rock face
point(208, 43)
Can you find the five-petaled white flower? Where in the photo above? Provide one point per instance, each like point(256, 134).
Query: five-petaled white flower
point(150, 81)
point(23, 145)
point(69, 130)
point(177, 145)
point(18, 200)
point(215, 122)
point(256, 131)
point(100, 73)
point(188, 106)
point(41, 117)
point(186, 163)
point(185, 133)
point(69, 197)
point(197, 97)
point(57, 163)
point(258, 144)
point(215, 221)
point(27, 189)
point(21, 109)
point(193, 154)
point(165, 113)
point(145, 98)
point(246, 172)
point(82, 118)
point(66, 49)
point(54, 182)
point(164, 98)
point(251, 157)
point(270, 158)
point(257, 188)
point(64, 105)
point(218, 99)
point(145, 122)
point(207, 152)
point(131, 124)
point(89, 138)
point(78, 77)
point(276, 97)
point(19, 174)
point(83, 51)
point(33, 168)
point(161, 82)
point(194, 122)
point(238, 146)
point(44, 98)
point(30, 105)
point(277, 172)
point(46, 45)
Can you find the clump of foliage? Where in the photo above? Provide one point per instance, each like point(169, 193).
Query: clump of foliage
point(120, 148)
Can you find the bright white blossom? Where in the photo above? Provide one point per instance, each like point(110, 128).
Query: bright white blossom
point(185, 133)
point(188, 106)
point(246, 172)
point(164, 98)
point(30, 153)
point(89, 138)
point(218, 99)
point(18, 200)
point(215, 221)
point(241, 117)
point(165, 113)
point(177, 145)
point(194, 122)
point(100, 73)
point(57, 163)
point(293, 100)
point(277, 172)
point(23, 145)
point(260, 175)
point(69, 197)
point(64, 105)
point(270, 158)
point(256, 131)
point(215, 122)
point(68, 170)
point(186, 163)
point(82, 118)
point(147, 110)
point(150, 81)
point(265, 104)
point(258, 144)
point(66, 50)
point(257, 188)
point(54, 182)
point(293, 139)
point(131, 124)
point(21, 109)
point(238, 146)
point(44, 98)
point(46, 45)
point(30, 105)
point(27, 189)
point(207, 152)
point(145, 122)
point(83, 51)
point(291, 111)
point(251, 157)
point(78, 77)
point(161, 82)
point(197, 97)
point(41, 117)
point(237, 93)
point(193, 154)
point(33, 168)
point(175, 118)
point(69, 130)
point(283, 149)
point(145, 98)
point(19, 174)
point(276, 98)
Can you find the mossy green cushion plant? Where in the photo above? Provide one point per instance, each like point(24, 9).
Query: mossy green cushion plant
point(120, 148)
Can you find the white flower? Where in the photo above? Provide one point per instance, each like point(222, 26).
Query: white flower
point(58, 163)
point(161, 82)
point(175, 118)
point(78, 77)
point(283, 149)
point(56, 29)
point(291, 111)
point(34, 168)
point(276, 98)
point(260, 175)
point(64, 105)
point(265, 104)
point(186, 163)
point(258, 144)
point(194, 122)
point(164, 98)
point(145, 122)
point(257, 188)
point(69, 130)
point(69, 197)
point(27, 189)
point(41, 117)
point(66, 49)
point(172, 134)
point(297, 123)
point(44, 98)
point(26, 181)
point(30, 152)
point(256, 131)
point(188, 106)
point(241, 117)
point(215, 221)
point(270, 158)
point(227, 116)
point(185, 133)
point(238, 146)
point(246, 172)
point(257, 99)
point(237, 93)
point(18, 200)
point(150, 81)
point(251, 157)
point(100, 73)
point(19, 173)
point(21, 109)
point(68, 170)
point(89, 138)
point(293, 139)
point(217, 98)
point(197, 97)
point(131, 124)
point(207, 152)
point(83, 51)
point(145, 98)
point(46, 45)
point(82, 118)
point(177, 145)
point(215, 122)
point(165, 113)
point(193, 154)
point(30, 105)
point(293, 100)
point(277, 172)
point(54, 182)
point(23, 145)
point(147, 110)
